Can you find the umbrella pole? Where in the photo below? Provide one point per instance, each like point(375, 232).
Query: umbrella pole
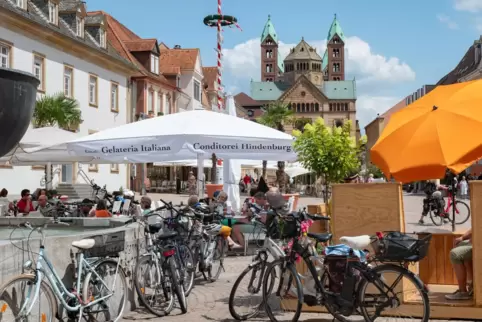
point(453, 204)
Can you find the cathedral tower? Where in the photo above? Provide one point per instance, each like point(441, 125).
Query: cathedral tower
point(334, 58)
point(272, 67)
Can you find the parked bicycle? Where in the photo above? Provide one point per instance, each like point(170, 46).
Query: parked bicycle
point(442, 212)
point(31, 297)
point(271, 248)
point(347, 283)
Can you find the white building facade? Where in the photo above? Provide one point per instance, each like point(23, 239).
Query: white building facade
point(75, 60)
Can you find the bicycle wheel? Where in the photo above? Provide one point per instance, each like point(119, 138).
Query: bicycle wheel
point(289, 287)
point(101, 285)
point(249, 291)
point(436, 219)
point(462, 212)
point(175, 283)
point(218, 259)
point(188, 267)
point(19, 291)
point(381, 295)
point(151, 287)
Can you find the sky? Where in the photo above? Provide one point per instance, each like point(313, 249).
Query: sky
point(393, 47)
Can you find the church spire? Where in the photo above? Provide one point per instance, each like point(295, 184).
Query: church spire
point(335, 29)
point(269, 31)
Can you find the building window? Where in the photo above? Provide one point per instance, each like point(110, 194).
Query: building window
point(317, 107)
point(39, 70)
point(53, 13)
point(336, 67)
point(269, 42)
point(336, 52)
point(154, 64)
point(114, 168)
point(269, 53)
point(178, 81)
point(167, 108)
point(114, 97)
point(102, 38)
point(150, 102)
point(5, 52)
point(79, 26)
point(336, 40)
point(197, 91)
point(68, 81)
point(338, 123)
point(298, 107)
point(21, 4)
point(93, 90)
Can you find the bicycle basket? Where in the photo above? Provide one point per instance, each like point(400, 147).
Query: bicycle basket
point(272, 226)
point(107, 245)
point(395, 246)
point(291, 227)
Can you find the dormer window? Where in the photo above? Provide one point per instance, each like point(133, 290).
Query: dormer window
point(154, 64)
point(79, 27)
point(22, 4)
point(53, 13)
point(102, 38)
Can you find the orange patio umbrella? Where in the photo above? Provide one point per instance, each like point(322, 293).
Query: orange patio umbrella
point(441, 130)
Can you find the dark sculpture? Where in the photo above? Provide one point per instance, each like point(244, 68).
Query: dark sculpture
point(18, 93)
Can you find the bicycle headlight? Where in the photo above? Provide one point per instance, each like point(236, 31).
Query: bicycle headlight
point(27, 264)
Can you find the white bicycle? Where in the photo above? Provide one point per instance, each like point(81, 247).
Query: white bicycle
point(29, 297)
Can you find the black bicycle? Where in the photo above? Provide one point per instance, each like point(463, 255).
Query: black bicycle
point(350, 286)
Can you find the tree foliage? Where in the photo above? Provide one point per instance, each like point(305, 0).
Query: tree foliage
point(332, 153)
point(57, 110)
point(373, 169)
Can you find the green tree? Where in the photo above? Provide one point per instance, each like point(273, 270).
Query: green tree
point(276, 115)
point(332, 153)
point(373, 169)
point(56, 110)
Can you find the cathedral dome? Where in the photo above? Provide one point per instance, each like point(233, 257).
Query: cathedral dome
point(303, 51)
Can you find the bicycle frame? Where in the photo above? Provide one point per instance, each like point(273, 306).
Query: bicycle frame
point(450, 203)
point(44, 268)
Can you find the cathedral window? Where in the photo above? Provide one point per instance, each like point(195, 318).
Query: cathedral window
point(312, 109)
point(303, 107)
point(269, 53)
point(336, 67)
point(338, 123)
point(298, 107)
point(336, 52)
point(317, 107)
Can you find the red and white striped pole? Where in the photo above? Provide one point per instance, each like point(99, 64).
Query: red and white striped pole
point(220, 53)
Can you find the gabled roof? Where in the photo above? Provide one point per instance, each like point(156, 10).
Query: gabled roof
point(210, 76)
point(141, 45)
point(470, 62)
point(244, 99)
point(33, 13)
point(185, 59)
point(71, 6)
point(339, 90)
point(269, 30)
point(303, 80)
point(268, 91)
point(303, 51)
point(120, 37)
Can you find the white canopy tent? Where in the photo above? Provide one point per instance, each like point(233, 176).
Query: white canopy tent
point(188, 135)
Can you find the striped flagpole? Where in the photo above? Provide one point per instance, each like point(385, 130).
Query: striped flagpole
point(220, 42)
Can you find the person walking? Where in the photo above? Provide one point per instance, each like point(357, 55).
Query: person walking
point(464, 188)
point(192, 183)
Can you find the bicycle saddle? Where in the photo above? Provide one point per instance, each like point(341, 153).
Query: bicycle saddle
point(321, 237)
point(357, 242)
point(84, 243)
point(167, 235)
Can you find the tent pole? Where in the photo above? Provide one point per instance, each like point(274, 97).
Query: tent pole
point(200, 175)
point(453, 203)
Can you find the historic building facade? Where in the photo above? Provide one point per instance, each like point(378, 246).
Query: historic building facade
point(310, 85)
point(67, 49)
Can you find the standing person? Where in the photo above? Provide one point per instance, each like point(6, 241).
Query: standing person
point(464, 188)
point(4, 200)
point(192, 183)
point(247, 182)
point(25, 205)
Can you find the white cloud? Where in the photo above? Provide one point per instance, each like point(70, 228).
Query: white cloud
point(468, 5)
point(243, 61)
point(446, 20)
point(367, 107)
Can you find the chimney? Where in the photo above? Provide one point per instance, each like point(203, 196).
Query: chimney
point(177, 46)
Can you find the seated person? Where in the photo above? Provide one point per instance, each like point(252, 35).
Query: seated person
point(244, 225)
point(226, 230)
point(146, 204)
point(25, 205)
point(461, 258)
point(44, 207)
point(4, 200)
point(85, 207)
point(100, 211)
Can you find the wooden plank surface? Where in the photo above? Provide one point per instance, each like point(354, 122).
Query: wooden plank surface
point(476, 215)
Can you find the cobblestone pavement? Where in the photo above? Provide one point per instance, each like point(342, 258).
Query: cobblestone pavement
point(209, 302)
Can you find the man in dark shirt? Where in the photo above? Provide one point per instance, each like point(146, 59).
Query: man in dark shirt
point(25, 205)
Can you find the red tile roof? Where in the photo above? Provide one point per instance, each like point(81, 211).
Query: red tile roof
point(123, 40)
point(185, 59)
point(140, 45)
point(244, 99)
point(210, 76)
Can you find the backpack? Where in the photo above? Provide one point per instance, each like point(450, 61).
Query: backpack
point(429, 188)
